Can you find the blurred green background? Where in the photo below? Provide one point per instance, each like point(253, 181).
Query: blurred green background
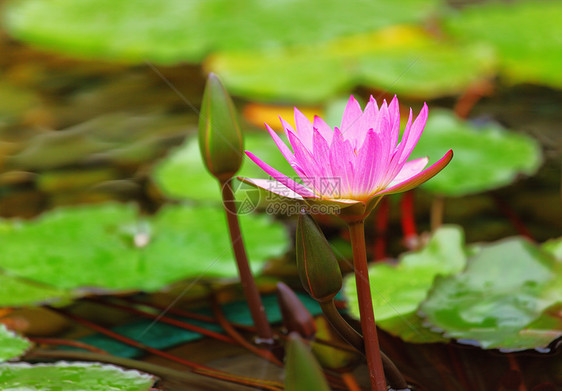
point(94, 93)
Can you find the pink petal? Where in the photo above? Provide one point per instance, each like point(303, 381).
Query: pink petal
point(394, 111)
point(287, 153)
point(341, 157)
point(280, 177)
point(304, 159)
point(366, 163)
point(414, 134)
point(304, 129)
point(351, 115)
point(321, 154)
point(325, 130)
point(411, 168)
point(420, 178)
point(272, 186)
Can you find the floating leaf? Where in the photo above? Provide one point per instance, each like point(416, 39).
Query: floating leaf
point(398, 290)
point(525, 34)
point(110, 247)
point(485, 158)
point(498, 301)
point(175, 30)
point(17, 292)
point(402, 60)
point(177, 174)
point(11, 345)
point(64, 376)
point(554, 247)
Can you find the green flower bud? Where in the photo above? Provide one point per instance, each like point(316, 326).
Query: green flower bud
point(220, 137)
point(318, 267)
point(302, 371)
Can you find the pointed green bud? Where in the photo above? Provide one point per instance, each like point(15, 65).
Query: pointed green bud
point(302, 371)
point(220, 137)
point(294, 314)
point(318, 267)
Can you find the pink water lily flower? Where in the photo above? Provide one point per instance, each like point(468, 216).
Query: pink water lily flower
point(357, 163)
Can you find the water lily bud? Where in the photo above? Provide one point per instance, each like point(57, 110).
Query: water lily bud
point(220, 137)
point(295, 315)
point(317, 265)
point(302, 371)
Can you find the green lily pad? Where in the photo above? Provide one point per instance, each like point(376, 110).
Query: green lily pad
point(554, 247)
point(398, 290)
point(177, 174)
point(17, 292)
point(501, 300)
point(64, 376)
point(11, 345)
point(402, 60)
point(528, 53)
point(173, 31)
point(485, 157)
point(109, 247)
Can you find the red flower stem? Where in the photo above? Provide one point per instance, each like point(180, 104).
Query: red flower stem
point(231, 331)
point(198, 368)
point(246, 278)
point(167, 320)
point(66, 342)
point(368, 326)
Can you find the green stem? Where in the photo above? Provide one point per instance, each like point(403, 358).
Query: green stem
point(347, 332)
point(368, 326)
point(251, 292)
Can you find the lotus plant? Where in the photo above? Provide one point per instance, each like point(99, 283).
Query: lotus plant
point(351, 168)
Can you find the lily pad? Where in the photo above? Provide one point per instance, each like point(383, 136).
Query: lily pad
point(398, 290)
point(402, 60)
point(501, 300)
point(17, 292)
point(554, 247)
point(109, 247)
point(529, 53)
point(486, 157)
point(177, 174)
point(11, 345)
point(64, 376)
point(174, 31)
